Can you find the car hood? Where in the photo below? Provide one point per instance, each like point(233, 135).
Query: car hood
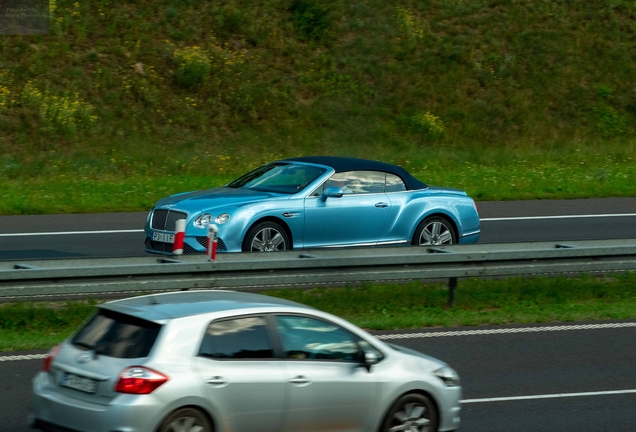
point(217, 197)
point(414, 353)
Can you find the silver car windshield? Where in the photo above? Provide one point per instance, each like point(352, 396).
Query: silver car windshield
point(278, 177)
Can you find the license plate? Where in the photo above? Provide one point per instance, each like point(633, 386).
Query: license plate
point(75, 382)
point(163, 237)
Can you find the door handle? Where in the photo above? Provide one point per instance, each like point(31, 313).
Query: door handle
point(299, 380)
point(382, 205)
point(216, 381)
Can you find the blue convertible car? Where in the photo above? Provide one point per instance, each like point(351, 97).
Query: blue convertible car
point(318, 201)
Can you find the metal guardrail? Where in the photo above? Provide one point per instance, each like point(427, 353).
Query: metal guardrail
point(295, 268)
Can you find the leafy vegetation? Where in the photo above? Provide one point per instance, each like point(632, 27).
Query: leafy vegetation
point(514, 99)
point(383, 307)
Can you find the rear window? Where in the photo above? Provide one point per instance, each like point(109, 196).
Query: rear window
point(114, 334)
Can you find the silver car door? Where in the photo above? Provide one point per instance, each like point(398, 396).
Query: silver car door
point(329, 391)
point(243, 380)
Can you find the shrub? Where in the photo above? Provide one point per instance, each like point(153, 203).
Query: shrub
point(429, 124)
point(609, 121)
point(5, 97)
point(194, 66)
point(412, 23)
point(65, 113)
point(311, 19)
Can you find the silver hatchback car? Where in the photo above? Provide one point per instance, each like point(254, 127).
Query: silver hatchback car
point(222, 361)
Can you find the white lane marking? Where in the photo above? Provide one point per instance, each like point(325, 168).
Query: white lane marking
point(556, 217)
point(506, 331)
point(23, 357)
point(547, 396)
point(71, 233)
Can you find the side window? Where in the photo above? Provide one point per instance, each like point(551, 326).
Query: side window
point(239, 338)
point(394, 183)
point(306, 338)
point(358, 182)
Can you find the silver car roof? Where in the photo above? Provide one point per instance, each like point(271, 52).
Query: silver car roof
point(159, 307)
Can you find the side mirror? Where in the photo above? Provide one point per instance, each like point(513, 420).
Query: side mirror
point(370, 358)
point(331, 192)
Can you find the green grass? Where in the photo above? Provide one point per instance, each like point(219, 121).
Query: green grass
point(485, 175)
point(25, 326)
point(121, 104)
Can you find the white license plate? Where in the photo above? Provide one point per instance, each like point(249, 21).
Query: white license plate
point(75, 382)
point(163, 237)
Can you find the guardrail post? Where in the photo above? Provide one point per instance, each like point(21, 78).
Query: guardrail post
point(452, 286)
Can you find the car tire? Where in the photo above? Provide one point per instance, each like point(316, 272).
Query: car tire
point(186, 420)
point(266, 237)
point(434, 231)
point(412, 412)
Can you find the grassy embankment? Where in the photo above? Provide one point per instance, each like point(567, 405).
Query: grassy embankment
point(126, 102)
point(397, 306)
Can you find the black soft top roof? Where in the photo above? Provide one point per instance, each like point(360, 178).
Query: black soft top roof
point(341, 164)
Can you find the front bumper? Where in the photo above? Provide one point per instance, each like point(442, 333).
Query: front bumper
point(191, 246)
point(449, 404)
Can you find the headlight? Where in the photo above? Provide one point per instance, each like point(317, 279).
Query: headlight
point(222, 218)
point(203, 221)
point(448, 375)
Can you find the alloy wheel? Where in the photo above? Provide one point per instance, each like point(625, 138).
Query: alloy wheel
point(436, 232)
point(185, 424)
point(186, 420)
point(268, 239)
point(411, 418)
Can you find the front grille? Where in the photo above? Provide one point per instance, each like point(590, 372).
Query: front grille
point(166, 220)
point(162, 247)
point(203, 241)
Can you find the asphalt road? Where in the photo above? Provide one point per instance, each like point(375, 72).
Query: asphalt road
point(563, 377)
point(120, 234)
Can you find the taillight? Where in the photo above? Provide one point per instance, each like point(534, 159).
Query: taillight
point(48, 360)
point(139, 380)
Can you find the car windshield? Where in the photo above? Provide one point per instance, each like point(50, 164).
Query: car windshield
point(278, 177)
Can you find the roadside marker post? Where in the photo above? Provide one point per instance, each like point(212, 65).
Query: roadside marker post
point(179, 237)
point(213, 234)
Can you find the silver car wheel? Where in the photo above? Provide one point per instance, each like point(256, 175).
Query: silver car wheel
point(266, 237)
point(412, 413)
point(268, 240)
point(185, 424)
point(411, 419)
point(186, 420)
point(434, 231)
